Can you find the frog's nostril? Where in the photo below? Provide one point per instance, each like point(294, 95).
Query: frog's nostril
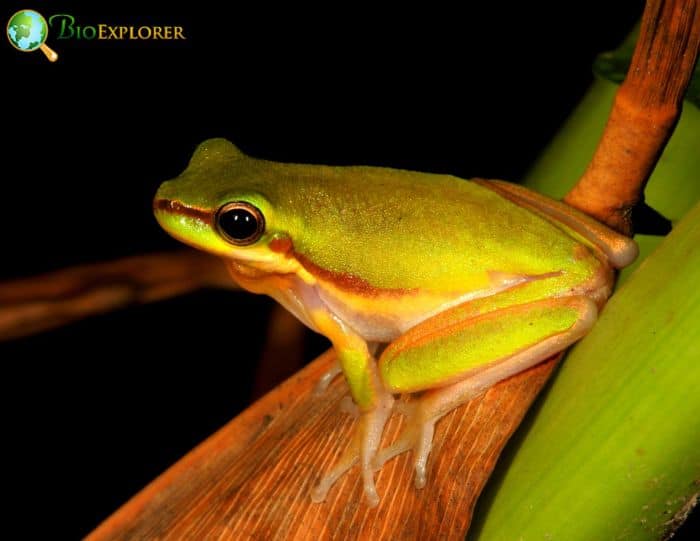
point(163, 205)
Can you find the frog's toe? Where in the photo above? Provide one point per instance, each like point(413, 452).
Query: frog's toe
point(362, 448)
point(422, 448)
point(416, 436)
point(347, 461)
point(326, 379)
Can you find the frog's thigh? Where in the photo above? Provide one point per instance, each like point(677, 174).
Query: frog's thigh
point(485, 349)
point(458, 362)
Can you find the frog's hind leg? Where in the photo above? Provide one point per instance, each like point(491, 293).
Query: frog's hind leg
point(455, 363)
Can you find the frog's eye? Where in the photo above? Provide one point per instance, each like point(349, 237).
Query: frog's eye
point(240, 223)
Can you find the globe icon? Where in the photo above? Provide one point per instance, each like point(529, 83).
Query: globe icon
point(27, 31)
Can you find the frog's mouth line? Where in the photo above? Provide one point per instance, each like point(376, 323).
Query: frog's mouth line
point(175, 207)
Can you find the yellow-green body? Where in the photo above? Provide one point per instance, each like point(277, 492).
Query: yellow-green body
point(466, 281)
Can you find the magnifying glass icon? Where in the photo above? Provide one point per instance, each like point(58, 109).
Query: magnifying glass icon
point(27, 31)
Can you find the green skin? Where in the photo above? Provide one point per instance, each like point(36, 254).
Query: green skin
point(467, 282)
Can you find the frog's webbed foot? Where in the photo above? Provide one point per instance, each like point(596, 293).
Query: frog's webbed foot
point(421, 413)
point(417, 436)
point(363, 447)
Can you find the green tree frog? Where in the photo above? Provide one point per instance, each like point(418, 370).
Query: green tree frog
point(424, 283)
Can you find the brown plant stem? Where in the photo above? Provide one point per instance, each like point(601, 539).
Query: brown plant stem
point(645, 111)
point(39, 303)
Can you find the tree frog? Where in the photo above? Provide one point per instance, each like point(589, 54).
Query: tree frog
point(425, 284)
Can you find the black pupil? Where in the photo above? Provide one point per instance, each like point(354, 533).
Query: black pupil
point(238, 223)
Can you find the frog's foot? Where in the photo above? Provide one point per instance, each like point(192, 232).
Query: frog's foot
point(421, 413)
point(417, 435)
point(363, 447)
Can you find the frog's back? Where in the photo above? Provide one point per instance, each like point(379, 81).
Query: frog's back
point(394, 227)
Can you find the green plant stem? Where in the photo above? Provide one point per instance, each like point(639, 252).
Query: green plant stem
point(612, 450)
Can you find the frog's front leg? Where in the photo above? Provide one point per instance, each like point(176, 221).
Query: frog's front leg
point(374, 403)
point(455, 360)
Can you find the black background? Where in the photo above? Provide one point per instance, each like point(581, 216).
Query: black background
point(95, 410)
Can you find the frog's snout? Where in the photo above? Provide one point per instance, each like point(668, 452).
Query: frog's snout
point(165, 192)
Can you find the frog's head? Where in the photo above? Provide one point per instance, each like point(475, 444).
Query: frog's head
point(219, 205)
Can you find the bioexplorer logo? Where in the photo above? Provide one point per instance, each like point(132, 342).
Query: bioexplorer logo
point(27, 31)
